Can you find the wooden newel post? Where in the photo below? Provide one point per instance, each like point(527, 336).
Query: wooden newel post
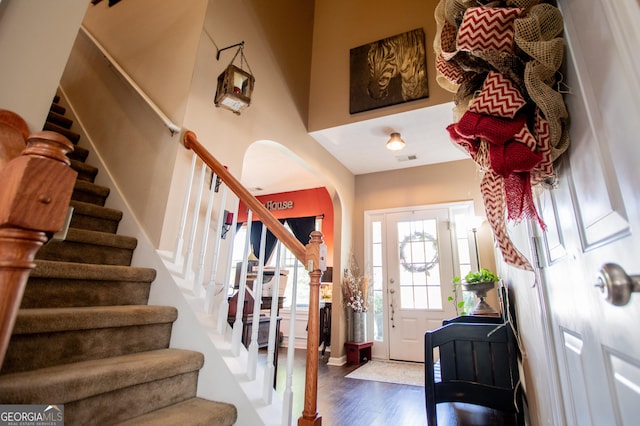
point(36, 189)
point(310, 416)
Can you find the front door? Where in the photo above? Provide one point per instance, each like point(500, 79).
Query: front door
point(420, 271)
point(594, 216)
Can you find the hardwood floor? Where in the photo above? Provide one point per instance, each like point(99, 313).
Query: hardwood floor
point(351, 402)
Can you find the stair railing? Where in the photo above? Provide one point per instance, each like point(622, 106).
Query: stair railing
point(216, 179)
point(35, 195)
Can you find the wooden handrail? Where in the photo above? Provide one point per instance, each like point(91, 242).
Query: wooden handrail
point(190, 141)
point(36, 190)
point(309, 255)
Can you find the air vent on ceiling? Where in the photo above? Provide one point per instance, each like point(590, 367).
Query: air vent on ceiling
point(409, 157)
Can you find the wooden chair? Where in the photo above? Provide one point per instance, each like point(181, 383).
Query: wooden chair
point(478, 365)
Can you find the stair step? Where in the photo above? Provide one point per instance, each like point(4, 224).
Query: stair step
point(95, 218)
point(67, 284)
point(53, 320)
point(72, 136)
point(58, 109)
point(79, 153)
point(108, 390)
point(85, 171)
point(89, 192)
point(84, 246)
point(192, 412)
point(85, 335)
point(53, 336)
point(59, 120)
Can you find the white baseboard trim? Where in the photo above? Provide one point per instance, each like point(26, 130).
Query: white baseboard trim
point(337, 361)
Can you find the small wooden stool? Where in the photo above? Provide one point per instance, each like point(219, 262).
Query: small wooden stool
point(358, 352)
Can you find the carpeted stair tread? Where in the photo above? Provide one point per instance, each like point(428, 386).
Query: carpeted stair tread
point(58, 109)
point(72, 136)
point(45, 320)
point(90, 192)
point(76, 271)
point(101, 238)
point(85, 336)
point(192, 412)
point(85, 333)
point(65, 284)
point(59, 120)
point(83, 246)
point(85, 171)
point(94, 218)
point(79, 153)
point(70, 382)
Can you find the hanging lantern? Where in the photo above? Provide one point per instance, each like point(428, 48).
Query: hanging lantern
point(235, 85)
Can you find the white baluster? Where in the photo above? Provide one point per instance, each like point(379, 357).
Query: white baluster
point(211, 292)
point(269, 372)
point(224, 302)
point(287, 398)
point(206, 231)
point(185, 208)
point(238, 324)
point(194, 224)
point(257, 293)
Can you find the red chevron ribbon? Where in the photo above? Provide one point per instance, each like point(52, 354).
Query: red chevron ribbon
point(451, 71)
point(543, 136)
point(498, 97)
point(448, 41)
point(492, 188)
point(487, 28)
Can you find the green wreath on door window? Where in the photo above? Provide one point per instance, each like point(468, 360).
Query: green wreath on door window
point(419, 267)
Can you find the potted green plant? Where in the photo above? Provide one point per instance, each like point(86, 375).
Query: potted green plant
point(479, 283)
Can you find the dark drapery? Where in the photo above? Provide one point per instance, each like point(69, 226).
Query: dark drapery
point(302, 227)
point(270, 240)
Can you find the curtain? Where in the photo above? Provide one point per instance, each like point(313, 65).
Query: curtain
point(270, 240)
point(302, 227)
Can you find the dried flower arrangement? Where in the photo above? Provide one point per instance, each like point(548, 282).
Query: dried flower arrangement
point(355, 288)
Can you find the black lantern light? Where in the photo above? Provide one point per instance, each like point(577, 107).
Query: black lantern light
point(235, 85)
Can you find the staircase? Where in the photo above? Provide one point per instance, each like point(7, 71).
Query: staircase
point(85, 336)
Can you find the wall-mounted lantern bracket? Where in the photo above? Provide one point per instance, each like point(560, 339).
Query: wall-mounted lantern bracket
point(241, 44)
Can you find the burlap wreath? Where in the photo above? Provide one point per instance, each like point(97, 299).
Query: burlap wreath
point(502, 58)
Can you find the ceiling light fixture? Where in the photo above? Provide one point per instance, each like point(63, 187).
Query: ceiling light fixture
point(395, 142)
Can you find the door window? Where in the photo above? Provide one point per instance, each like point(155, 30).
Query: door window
point(419, 265)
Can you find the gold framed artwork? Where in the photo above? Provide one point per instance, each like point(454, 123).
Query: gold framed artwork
point(388, 72)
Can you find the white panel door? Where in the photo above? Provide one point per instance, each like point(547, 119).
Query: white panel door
point(420, 271)
point(594, 216)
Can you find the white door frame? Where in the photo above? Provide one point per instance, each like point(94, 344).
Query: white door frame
point(380, 349)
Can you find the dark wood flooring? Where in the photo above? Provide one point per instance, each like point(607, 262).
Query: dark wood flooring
point(352, 402)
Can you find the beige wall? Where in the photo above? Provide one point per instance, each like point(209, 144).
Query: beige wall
point(35, 40)
point(528, 296)
point(417, 186)
point(138, 150)
point(274, 113)
point(157, 50)
point(155, 44)
point(290, 41)
point(340, 26)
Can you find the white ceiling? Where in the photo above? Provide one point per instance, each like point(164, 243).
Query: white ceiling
point(360, 147)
